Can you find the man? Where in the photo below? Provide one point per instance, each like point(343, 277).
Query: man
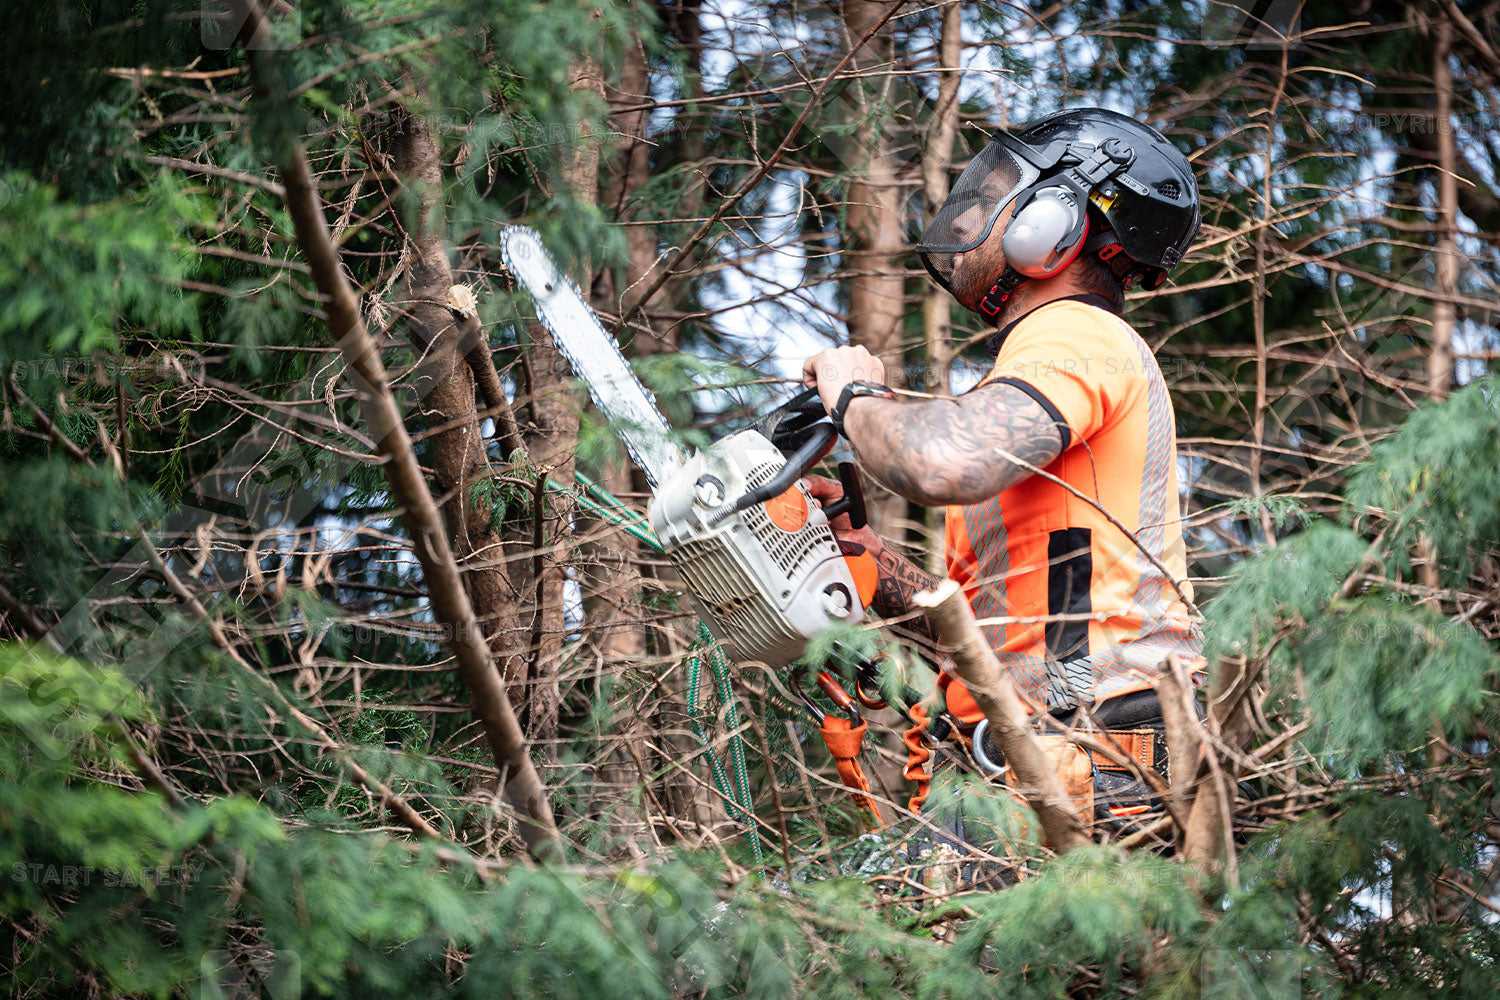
point(1058, 472)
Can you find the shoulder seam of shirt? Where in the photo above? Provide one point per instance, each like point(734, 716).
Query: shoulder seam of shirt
point(1087, 308)
point(1046, 404)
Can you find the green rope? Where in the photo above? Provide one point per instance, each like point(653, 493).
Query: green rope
point(719, 663)
point(738, 795)
point(601, 503)
point(611, 509)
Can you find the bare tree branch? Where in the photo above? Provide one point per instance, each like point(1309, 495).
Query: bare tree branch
point(1037, 779)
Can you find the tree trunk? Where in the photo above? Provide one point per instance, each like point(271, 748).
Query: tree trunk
point(1440, 355)
point(555, 408)
point(1205, 841)
point(631, 171)
point(874, 238)
point(611, 581)
point(616, 582)
point(553, 446)
point(685, 21)
point(446, 384)
point(937, 157)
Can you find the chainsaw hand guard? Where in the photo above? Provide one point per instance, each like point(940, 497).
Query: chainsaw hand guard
point(790, 424)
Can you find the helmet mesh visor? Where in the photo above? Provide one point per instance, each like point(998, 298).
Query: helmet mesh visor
point(967, 217)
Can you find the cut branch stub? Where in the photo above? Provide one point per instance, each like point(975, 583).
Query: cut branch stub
point(1036, 777)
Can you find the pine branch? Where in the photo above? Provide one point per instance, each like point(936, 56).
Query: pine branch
point(28, 621)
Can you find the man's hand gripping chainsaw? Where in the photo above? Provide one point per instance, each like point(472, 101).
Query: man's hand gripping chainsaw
point(755, 551)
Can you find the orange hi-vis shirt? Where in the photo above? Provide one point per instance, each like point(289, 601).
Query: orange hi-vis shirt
point(1072, 607)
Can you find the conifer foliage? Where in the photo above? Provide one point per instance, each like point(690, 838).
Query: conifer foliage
point(337, 660)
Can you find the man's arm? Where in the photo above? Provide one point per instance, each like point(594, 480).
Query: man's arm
point(939, 451)
point(931, 451)
point(900, 581)
point(953, 451)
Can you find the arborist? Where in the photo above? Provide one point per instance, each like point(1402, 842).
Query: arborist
point(1058, 471)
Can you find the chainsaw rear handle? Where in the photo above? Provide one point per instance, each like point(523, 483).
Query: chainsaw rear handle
point(815, 436)
point(853, 500)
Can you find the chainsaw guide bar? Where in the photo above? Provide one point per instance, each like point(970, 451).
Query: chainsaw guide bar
point(594, 355)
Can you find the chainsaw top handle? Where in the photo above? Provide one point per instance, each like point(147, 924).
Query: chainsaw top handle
point(802, 424)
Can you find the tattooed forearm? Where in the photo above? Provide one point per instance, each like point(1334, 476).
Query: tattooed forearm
point(953, 451)
point(900, 581)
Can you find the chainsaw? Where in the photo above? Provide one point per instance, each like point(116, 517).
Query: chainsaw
point(757, 555)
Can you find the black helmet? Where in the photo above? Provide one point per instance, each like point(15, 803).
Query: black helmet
point(1068, 173)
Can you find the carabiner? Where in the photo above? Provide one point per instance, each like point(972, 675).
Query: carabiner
point(812, 707)
point(868, 673)
point(832, 689)
point(839, 696)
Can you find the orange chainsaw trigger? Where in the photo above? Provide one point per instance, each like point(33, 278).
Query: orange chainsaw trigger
point(788, 511)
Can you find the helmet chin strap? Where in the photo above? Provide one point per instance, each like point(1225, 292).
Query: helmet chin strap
point(1000, 292)
point(1104, 243)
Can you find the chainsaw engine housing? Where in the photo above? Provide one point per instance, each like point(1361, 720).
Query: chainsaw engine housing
point(766, 579)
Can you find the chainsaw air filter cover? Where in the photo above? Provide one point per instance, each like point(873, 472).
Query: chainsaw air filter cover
point(767, 579)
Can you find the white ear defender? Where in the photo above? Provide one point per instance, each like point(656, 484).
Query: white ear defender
point(1046, 232)
point(1049, 223)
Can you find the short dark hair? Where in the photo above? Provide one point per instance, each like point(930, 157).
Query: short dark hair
point(1098, 277)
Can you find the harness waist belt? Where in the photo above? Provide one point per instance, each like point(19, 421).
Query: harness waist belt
point(1147, 747)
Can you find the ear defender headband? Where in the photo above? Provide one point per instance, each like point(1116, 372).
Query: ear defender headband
point(1050, 224)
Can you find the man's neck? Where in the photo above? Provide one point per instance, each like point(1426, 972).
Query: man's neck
point(1038, 292)
point(1028, 296)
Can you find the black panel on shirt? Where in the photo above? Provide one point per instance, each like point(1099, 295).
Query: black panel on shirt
point(1070, 569)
